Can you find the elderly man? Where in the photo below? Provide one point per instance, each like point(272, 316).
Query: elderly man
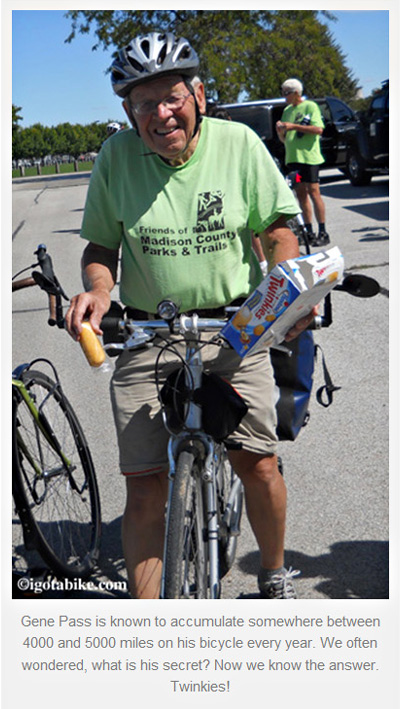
point(155, 180)
point(300, 130)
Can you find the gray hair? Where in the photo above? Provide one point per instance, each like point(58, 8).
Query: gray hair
point(293, 85)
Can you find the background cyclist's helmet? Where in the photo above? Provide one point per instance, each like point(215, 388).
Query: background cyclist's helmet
point(148, 56)
point(113, 128)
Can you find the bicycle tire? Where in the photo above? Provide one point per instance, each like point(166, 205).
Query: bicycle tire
point(185, 563)
point(58, 502)
point(229, 530)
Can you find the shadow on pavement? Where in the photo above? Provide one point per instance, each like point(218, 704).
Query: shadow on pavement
point(378, 211)
point(66, 231)
point(354, 569)
point(107, 582)
point(345, 190)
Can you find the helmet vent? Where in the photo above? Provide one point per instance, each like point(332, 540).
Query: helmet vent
point(162, 54)
point(136, 65)
point(145, 47)
point(117, 75)
point(184, 53)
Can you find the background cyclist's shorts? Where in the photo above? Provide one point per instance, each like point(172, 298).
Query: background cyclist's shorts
point(308, 173)
point(142, 438)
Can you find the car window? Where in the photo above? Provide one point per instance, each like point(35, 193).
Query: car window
point(257, 117)
point(341, 112)
point(378, 103)
point(325, 112)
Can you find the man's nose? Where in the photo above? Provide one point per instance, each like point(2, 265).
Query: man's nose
point(162, 111)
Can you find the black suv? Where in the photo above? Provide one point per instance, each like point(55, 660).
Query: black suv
point(368, 146)
point(261, 116)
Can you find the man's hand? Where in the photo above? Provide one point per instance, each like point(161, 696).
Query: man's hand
point(87, 306)
point(301, 325)
point(281, 130)
point(283, 127)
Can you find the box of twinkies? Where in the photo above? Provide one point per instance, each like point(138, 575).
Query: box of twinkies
point(287, 293)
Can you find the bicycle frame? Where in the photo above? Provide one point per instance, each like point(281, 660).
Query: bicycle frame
point(42, 423)
point(204, 444)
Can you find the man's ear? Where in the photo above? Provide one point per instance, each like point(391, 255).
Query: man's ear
point(201, 98)
point(128, 110)
point(129, 113)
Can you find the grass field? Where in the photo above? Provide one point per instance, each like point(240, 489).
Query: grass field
point(51, 169)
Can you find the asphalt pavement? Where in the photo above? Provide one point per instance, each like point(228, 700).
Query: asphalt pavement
point(337, 472)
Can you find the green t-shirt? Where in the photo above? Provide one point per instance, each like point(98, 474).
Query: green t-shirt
point(305, 149)
point(185, 231)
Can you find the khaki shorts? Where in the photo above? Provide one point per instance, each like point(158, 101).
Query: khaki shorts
point(142, 438)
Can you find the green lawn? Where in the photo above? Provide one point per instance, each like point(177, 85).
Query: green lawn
point(51, 169)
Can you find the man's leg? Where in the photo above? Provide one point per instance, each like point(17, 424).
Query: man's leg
point(304, 201)
point(143, 533)
point(315, 196)
point(265, 494)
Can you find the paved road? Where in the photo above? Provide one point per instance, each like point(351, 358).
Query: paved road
point(336, 472)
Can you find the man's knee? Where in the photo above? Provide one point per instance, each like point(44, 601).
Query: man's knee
point(254, 467)
point(146, 497)
point(314, 190)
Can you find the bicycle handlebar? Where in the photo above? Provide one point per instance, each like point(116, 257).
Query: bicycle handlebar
point(47, 281)
point(355, 284)
point(113, 323)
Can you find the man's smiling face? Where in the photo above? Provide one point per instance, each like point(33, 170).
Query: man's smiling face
point(166, 130)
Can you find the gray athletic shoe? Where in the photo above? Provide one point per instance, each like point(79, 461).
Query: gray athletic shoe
point(321, 240)
point(277, 585)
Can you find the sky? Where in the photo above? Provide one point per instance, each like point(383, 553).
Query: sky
point(54, 82)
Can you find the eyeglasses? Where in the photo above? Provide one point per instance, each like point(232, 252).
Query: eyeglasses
point(287, 93)
point(174, 103)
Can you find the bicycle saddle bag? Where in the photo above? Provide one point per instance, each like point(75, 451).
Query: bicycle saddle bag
point(222, 407)
point(293, 371)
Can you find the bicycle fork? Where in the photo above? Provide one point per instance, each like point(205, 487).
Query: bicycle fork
point(204, 447)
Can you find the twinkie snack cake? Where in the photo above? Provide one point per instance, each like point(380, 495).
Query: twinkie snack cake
point(287, 293)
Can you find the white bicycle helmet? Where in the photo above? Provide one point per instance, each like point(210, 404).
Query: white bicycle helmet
point(149, 56)
point(113, 128)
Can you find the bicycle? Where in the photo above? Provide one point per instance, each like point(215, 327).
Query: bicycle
point(54, 483)
point(205, 497)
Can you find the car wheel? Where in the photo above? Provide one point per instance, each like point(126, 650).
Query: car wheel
point(356, 170)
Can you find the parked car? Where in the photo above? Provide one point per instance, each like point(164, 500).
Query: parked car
point(368, 146)
point(340, 122)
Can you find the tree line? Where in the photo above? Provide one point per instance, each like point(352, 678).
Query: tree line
point(38, 140)
point(244, 55)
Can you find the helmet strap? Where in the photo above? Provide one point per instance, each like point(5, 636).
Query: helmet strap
point(199, 116)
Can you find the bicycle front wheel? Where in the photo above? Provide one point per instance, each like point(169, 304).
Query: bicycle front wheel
point(185, 563)
point(54, 482)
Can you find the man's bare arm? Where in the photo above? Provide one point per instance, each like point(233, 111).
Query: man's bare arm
point(99, 274)
point(279, 243)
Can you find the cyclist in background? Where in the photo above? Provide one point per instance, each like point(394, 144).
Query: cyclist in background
point(300, 130)
point(113, 128)
point(179, 195)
